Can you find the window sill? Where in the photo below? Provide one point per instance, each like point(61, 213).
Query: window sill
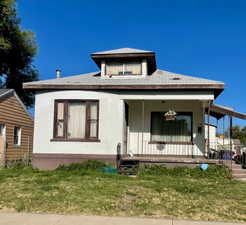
point(171, 143)
point(74, 140)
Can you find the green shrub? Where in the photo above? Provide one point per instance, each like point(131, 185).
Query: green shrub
point(90, 165)
point(213, 171)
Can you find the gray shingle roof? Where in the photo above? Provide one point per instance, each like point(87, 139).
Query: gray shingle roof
point(159, 77)
point(122, 51)
point(4, 91)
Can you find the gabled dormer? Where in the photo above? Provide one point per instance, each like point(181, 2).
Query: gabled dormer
point(125, 62)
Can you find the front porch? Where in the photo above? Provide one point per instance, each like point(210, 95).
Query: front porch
point(149, 135)
point(186, 142)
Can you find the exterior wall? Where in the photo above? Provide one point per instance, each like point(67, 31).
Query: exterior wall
point(218, 143)
point(13, 114)
point(139, 131)
point(212, 131)
point(213, 140)
point(111, 124)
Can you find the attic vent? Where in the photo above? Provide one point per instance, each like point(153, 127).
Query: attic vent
point(176, 78)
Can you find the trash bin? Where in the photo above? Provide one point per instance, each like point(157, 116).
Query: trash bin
point(226, 154)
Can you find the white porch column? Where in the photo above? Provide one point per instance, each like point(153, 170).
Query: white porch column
point(203, 126)
point(122, 126)
point(208, 130)
point(142, 147)
point(144, 67)
point(103, 68)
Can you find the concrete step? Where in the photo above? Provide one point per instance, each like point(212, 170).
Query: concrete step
point(128, 168)
point(241, 179)
point(238, 171)
point(239, 175)
point(233, 165)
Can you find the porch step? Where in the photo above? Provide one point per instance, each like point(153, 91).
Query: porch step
point(239, 175)
point(233, 165)
point(128, 167)
point(241, 179)
point(238, 171)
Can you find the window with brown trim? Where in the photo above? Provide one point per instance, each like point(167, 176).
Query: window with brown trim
point(17, 136)
point(171, 131)
point(76, 120)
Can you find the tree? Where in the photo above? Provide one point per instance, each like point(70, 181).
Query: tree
point(17, 49)
point(239, 133)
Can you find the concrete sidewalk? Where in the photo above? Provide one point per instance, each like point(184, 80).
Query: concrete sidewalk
point(51, 219)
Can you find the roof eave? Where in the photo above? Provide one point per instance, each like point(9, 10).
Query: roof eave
point(218, 112)
point(217, 88)
point(7, 93)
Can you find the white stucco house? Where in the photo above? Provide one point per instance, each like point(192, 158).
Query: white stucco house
point(149, 112)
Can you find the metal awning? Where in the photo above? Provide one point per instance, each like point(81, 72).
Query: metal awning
point(219, 111)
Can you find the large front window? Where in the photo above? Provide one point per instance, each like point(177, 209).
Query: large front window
point(171, 131)
point(76, 120)
point(128, 68)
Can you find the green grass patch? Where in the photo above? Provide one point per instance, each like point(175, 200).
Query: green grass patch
point(213, 172)
point(156, 192)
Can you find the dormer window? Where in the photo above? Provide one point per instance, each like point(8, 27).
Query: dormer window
point(125, 62)
point(123, 68)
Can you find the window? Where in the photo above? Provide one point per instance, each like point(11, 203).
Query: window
point(178, 130)
point(129, 68)
point(76, 120)
point(2, 129)
point(17, 136)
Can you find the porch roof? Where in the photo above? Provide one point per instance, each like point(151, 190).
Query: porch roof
point(219, 111)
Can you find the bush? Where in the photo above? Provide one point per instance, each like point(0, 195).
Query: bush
point(214, 171)
point(90, 165)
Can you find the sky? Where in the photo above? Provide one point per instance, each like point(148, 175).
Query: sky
point(202, 38)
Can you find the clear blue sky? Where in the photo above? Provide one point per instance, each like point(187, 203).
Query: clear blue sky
point(200, 38)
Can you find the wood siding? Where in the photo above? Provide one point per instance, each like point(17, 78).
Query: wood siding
point(13, 114)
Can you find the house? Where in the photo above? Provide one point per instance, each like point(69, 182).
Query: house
point(128, 106)
point(220, 142)
point(16, 129)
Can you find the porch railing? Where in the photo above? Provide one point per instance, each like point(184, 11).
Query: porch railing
point(152, 150)
point(147, 149)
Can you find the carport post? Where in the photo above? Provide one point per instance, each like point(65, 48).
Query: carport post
point(231, 139)
point(208, 130)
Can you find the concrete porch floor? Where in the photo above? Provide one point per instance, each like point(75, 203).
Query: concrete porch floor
point(163, 159)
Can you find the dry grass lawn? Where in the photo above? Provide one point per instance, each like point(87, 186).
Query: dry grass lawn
point(155, 192)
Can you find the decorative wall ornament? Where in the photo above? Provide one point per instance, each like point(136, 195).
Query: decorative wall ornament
point(170, 115)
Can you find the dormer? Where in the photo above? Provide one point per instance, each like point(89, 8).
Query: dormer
point(125, 62)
